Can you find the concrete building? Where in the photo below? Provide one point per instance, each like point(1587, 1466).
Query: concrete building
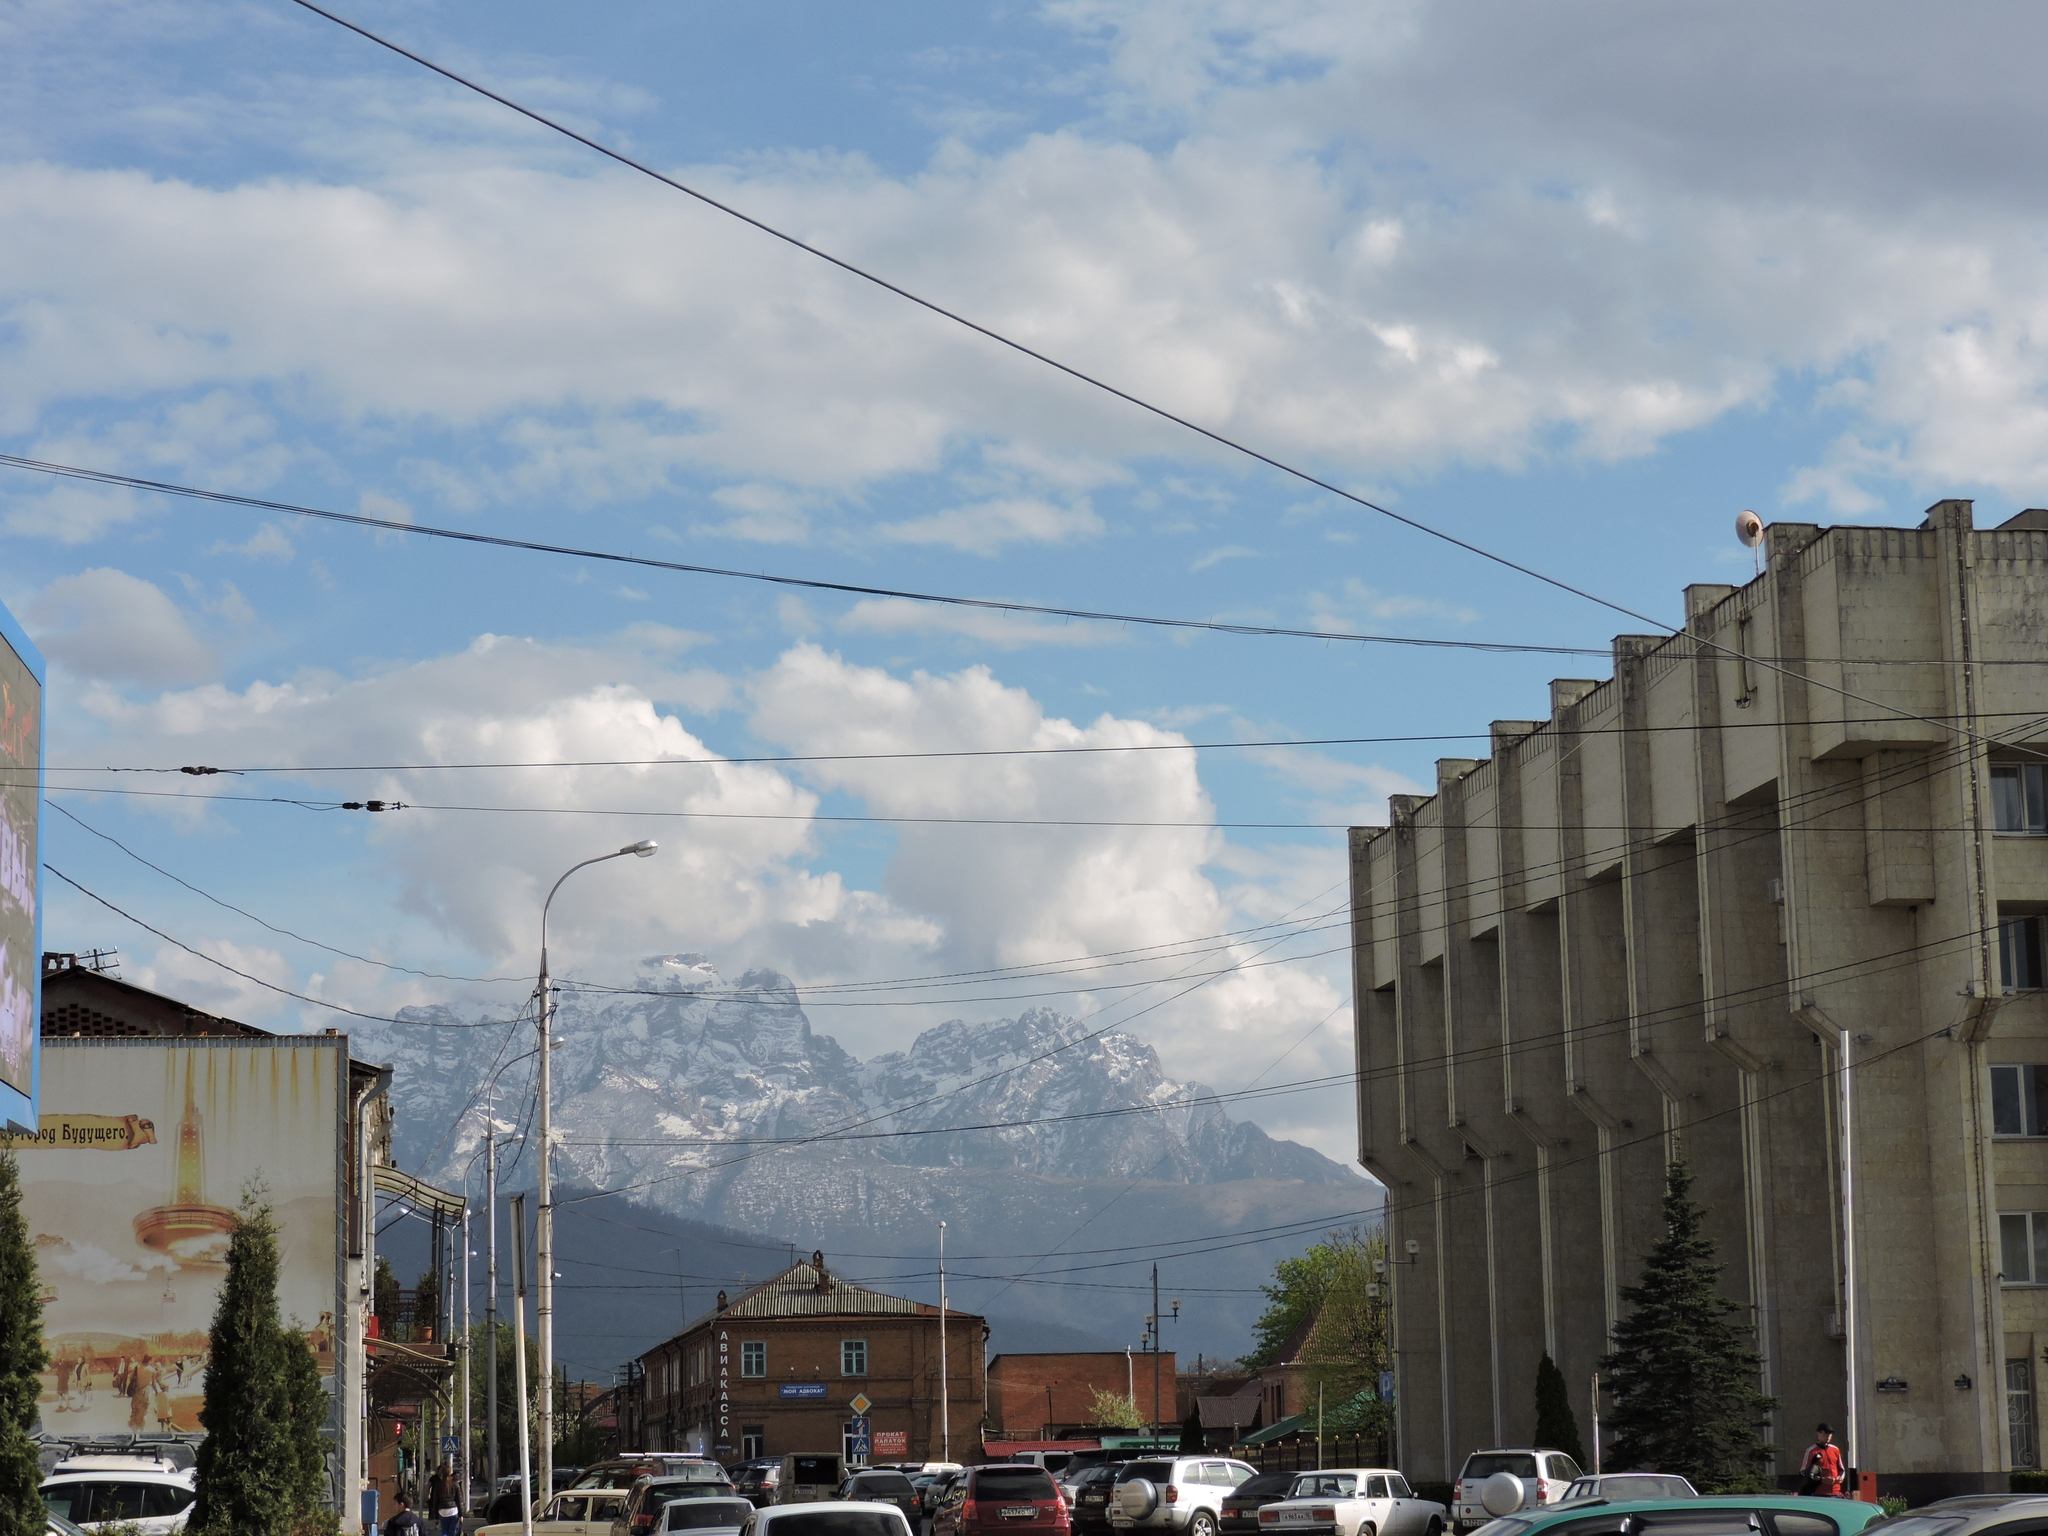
point(1650, 924)
point(784, 1366)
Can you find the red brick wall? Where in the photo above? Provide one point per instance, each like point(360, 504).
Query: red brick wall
point(1017, 1386)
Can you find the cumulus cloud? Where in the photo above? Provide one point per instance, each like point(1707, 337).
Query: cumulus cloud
point(1004, 631)
point(987, 528)
point(107, 625)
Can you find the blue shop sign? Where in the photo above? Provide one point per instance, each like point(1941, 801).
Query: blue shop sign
point(802, 1389)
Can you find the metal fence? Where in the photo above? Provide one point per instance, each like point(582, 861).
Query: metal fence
point(1299, 1453)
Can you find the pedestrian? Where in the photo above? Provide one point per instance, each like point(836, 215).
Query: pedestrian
point(1821, 1470)
point(444, 1501)
point(63, 1369)
point(403, 1521)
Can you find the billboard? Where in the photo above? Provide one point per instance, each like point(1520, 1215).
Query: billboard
point(129, 1188)
point(21, 910)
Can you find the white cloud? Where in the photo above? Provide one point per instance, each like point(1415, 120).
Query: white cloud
point(1005, 631)
point(1227, 552)
point(268, 542)
point(985, 529)
point(112, 627)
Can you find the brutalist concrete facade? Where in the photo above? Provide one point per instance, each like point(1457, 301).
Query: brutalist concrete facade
point(1641, 929)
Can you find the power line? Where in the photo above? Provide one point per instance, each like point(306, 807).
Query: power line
point(499, 541)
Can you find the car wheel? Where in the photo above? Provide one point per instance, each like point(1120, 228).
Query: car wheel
point(1436, 1527)
point(1201, 1523)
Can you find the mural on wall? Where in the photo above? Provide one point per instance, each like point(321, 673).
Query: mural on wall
point(130, 1187)
point(21, 758)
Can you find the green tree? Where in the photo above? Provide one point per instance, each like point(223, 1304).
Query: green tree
point(1683, 1372)
point(22, 1358)
point(1114, 1410)
point(1346, 1349)
point(1557, 1427)
point(385, 1300)
point(256, 1466)
point(1191, 1430)
point(426, 1305)
point(480, 1344)
point(1293, 1299)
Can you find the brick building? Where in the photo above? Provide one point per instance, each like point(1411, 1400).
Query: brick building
point(1031, 1395)
point(778, 1369)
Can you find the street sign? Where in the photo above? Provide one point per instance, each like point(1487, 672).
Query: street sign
point(801, 1389)
point(891, 1442)
point(448, 1444)
point(860, 1403)
point(1386, 1386)
point(859, 1443)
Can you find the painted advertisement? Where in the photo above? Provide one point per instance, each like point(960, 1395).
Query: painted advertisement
point(130, 1187)
point(21, 769)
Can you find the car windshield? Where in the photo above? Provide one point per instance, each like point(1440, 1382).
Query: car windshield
point(613, 1477)
point(706, 1514)
point(1618, 1488)
point(1149, 1471)
point(1484, 1466)
point(1013, 1483)
point(836, 1522)
point(815, 1469)
point(1324, 1485)
point(685, 1488)
point(1264, 1483)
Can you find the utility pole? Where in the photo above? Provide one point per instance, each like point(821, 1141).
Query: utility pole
point(1153, 1324)
point(464, 1469)
point(491, 1298)
point(945, 1382)
point(544, 1233)
point(519, 1361)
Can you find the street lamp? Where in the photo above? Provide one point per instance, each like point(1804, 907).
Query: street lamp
point(544, 1234)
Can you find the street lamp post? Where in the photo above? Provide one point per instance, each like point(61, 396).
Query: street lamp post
point(544, 1235)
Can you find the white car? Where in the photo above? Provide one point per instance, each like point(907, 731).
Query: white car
point(1545, 1475)
point(828, 1517)
point(1351, 1501)
point(585, 1512)
point(1183, 1494)
point(155, 1497)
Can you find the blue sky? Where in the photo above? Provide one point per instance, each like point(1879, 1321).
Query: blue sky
point(1575, 282)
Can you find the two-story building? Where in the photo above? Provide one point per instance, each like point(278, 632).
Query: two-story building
point(797, 1362)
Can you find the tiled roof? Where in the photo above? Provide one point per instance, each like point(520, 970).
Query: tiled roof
point(1232, 1412)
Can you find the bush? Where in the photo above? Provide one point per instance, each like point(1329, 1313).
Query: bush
point(1892, 1504)
point(2033, 1481)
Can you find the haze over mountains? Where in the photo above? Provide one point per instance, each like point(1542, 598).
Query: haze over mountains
point(730, 1130)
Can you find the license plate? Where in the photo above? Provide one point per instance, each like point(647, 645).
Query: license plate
point(1019, 1511)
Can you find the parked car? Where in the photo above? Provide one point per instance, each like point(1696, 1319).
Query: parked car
point(642, 1509)
point(1238, 1514)
point(827, 1517)
point(936, 1491)
point(1352, 1501)
point(756, 1480)
point(809, 1477)
point(1002, 1496)
point(1615, 1486)
point(1091, 1497)
point(152, 1496)
point(57, 1525)
point(1547, 1472)
point(1762, 1514)
point(1184, 1494)
point(589, 1512)
point(704, 1517)
point(873, 1485)
point(625, 1471)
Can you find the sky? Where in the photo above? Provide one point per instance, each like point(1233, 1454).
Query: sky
point(1574, 283)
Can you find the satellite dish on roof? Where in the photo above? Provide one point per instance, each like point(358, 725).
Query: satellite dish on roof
point(1749, 528)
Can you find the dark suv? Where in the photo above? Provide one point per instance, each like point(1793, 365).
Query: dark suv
point(1092, 1492)
point(883, 1485)
point(1002, 1496)
point(1238, 1515)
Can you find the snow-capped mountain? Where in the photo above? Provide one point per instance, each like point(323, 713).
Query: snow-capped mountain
point(715, 1101)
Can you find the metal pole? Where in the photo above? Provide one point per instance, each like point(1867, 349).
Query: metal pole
point(544, 1241)
point(1596, 1423)
point(945, 1383)
point(462, 1457)
point(544, 1236)
point(519, 1361)
point(1848, 1113)
point(491, 1304)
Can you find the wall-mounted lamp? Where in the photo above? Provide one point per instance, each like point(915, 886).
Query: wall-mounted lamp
point(1892, 1384)
point(1963, 1383)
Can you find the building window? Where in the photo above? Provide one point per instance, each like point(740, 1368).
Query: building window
point(2018, 1097)
point(2018, 801)
point(2019, 953)
point(853, 1357)
point(753, 1442)
point(754, 1357)
point(2019, 1412)
point(2023, 1245)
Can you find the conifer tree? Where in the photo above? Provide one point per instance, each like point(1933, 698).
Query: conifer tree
point(1683, 1372)
point(1557, 1427)
point(22, 1358)
point(256, 1466)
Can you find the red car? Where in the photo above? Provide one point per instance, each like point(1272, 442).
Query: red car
point(1002, 1497)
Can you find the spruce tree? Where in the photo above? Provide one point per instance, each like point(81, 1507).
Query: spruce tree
point(256, 1464)
point(1683, 1372)
point(22, 1358)
point(1191, 1438)
point(1557, 1427)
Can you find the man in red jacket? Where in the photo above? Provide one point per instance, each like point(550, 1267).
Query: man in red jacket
point(1822, 1468)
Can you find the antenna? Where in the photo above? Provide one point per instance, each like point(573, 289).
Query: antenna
point(1749, 532)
